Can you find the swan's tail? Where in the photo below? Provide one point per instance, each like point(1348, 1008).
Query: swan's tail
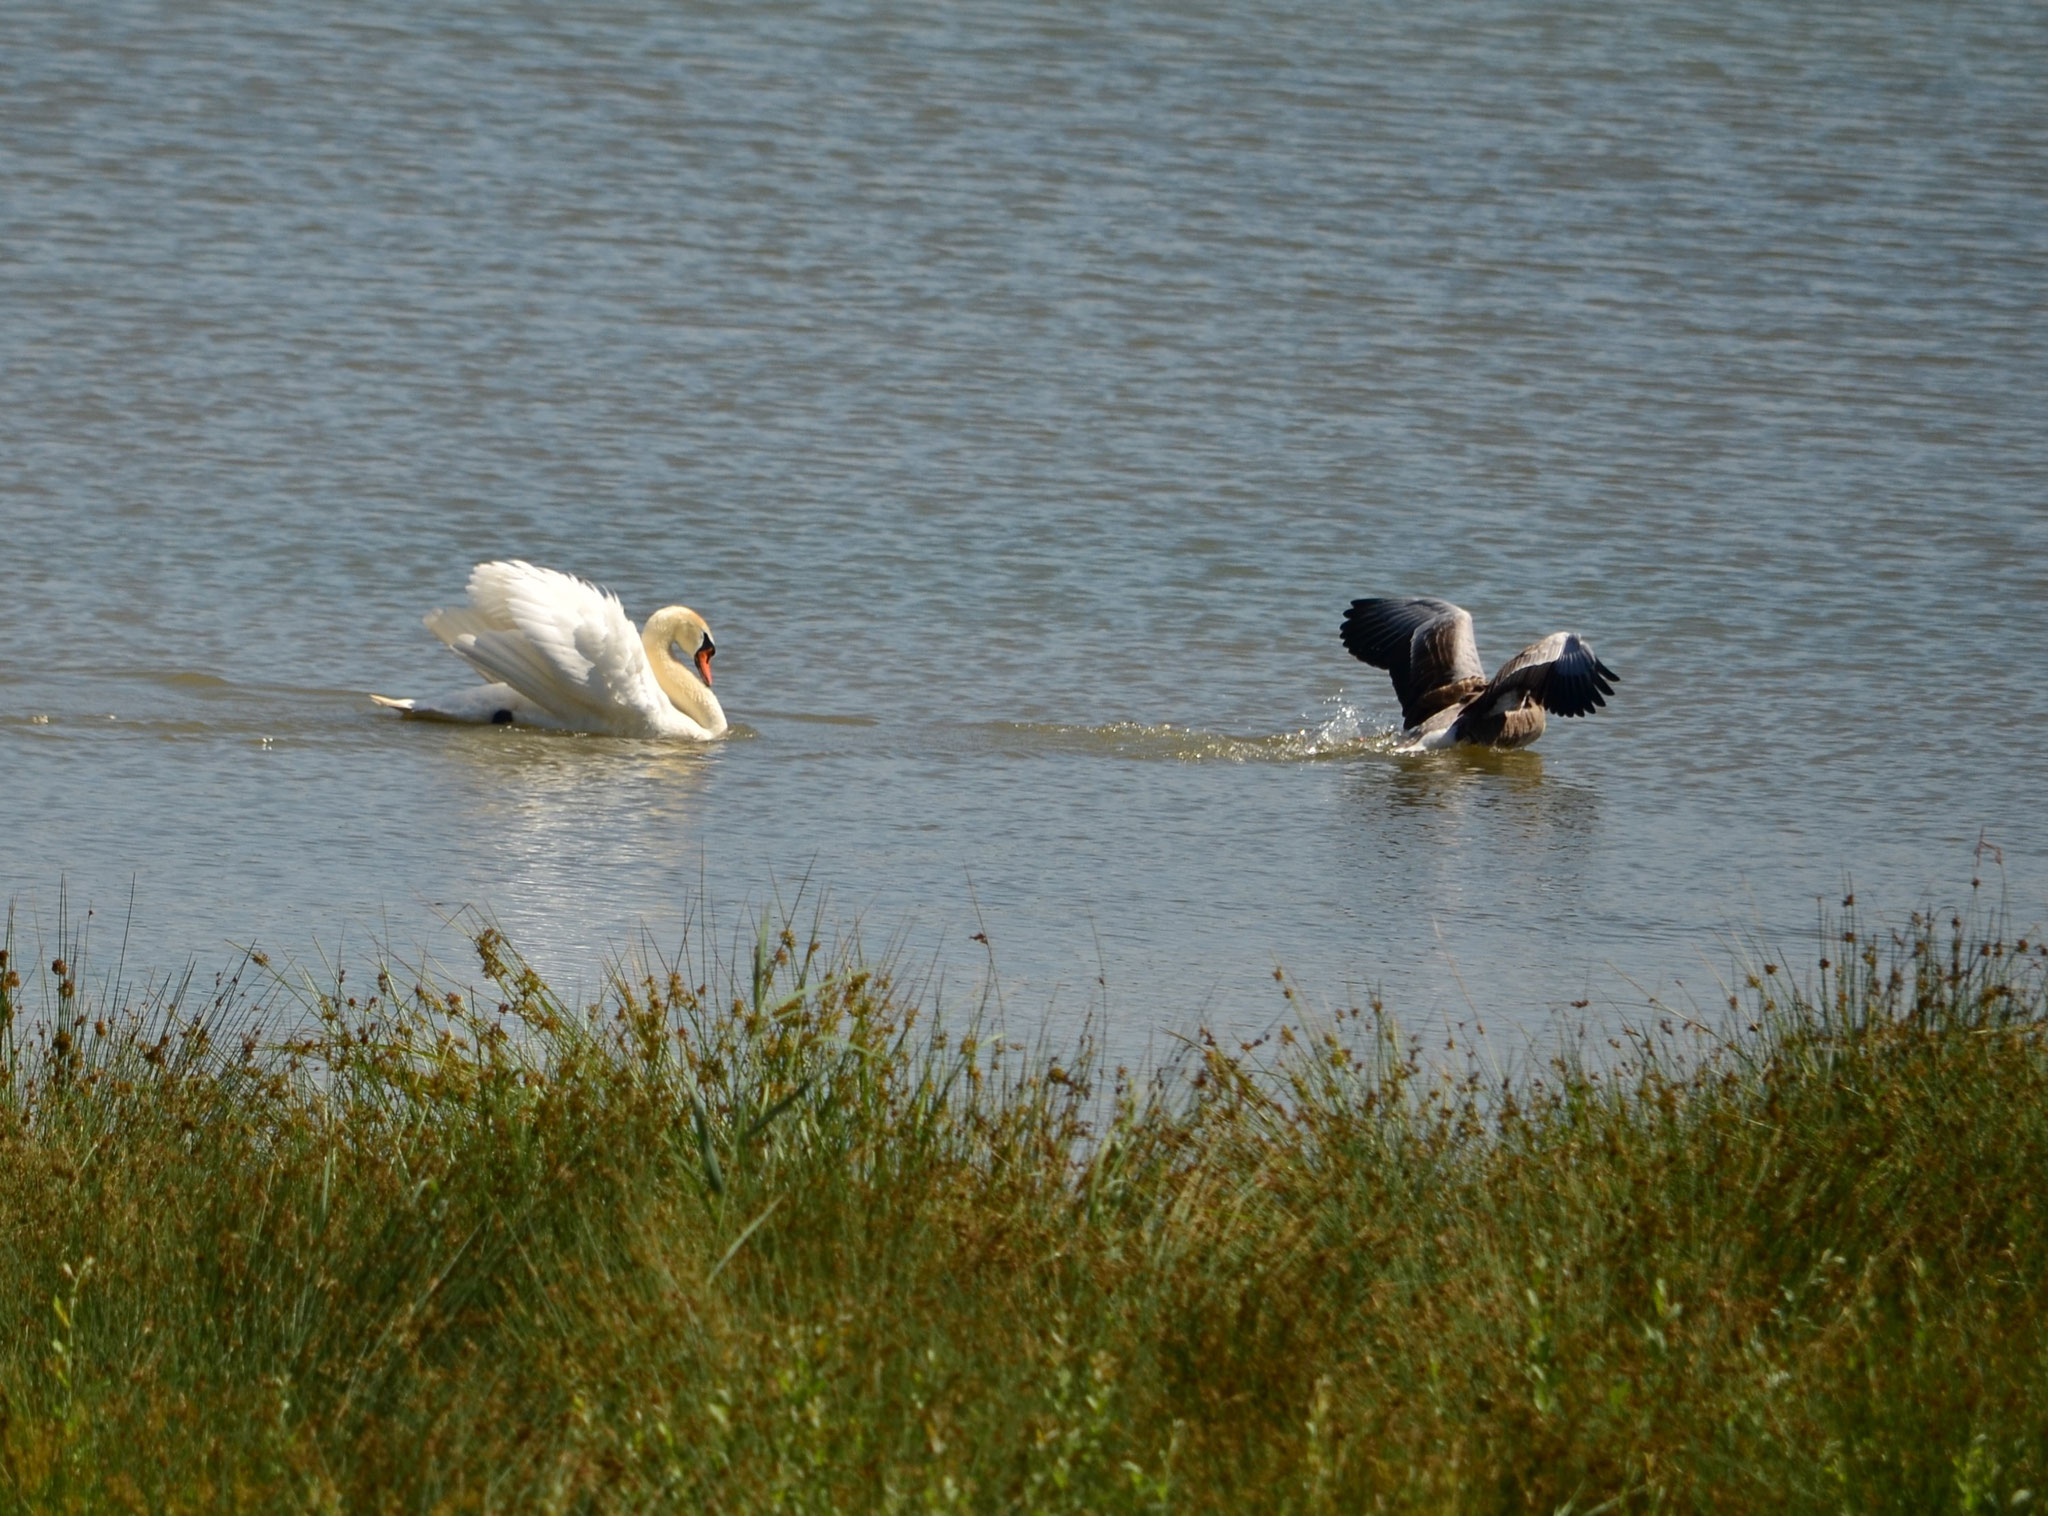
point(396, 705)
point(462, 621)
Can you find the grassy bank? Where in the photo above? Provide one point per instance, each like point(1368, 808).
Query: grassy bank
point(766, 1238)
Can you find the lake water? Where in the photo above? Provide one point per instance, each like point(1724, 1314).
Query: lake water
point(1022, 392)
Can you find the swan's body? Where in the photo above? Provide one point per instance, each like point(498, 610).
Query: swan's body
point(557, 651)
point(1426, 646)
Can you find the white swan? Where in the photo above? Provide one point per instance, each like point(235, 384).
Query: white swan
point(557, 651)
point(1446, 698)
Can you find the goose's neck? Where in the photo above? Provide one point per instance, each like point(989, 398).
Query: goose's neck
point(686, 692)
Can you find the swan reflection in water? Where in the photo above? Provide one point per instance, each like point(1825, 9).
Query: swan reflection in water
point(559, 829)
point(582, 816)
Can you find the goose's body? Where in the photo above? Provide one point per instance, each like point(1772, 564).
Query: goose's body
point(557, 651)
point(1426, 647)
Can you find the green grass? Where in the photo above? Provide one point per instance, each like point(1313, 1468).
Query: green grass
point(770, 1238)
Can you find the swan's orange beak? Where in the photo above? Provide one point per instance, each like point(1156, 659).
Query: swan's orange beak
point(704, 661)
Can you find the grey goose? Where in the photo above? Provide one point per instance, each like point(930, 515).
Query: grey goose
point(1426, 646)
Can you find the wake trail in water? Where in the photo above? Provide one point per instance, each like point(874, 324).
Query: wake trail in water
point(1344, 732)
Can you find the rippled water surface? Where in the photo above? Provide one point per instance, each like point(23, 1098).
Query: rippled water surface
point(1022, 392)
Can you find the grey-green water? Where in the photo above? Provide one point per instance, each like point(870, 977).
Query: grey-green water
point(1027, 389)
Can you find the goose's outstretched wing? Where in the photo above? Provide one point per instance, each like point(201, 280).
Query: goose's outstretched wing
point(1426, 646)
point(1561, 673)
point(560, 641)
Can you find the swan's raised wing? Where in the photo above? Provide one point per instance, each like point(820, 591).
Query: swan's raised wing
point(560, 641)
point(1426, 646)
point(1561, 673)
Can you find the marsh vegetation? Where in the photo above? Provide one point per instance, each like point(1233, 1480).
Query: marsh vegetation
point(764, 1233)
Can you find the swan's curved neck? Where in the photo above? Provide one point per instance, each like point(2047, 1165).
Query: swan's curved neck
point(686, 692)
